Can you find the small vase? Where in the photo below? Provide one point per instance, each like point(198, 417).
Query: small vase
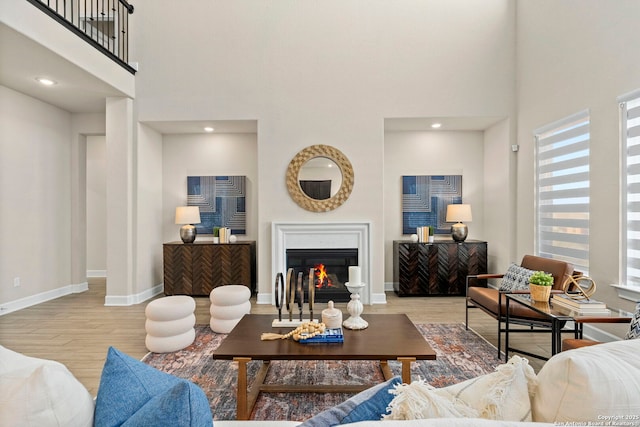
point(540, 293)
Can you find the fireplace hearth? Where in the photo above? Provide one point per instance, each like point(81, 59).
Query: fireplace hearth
point(331, 271)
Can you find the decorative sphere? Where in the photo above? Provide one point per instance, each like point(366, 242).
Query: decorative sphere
point(232, 239)
point(414, 238)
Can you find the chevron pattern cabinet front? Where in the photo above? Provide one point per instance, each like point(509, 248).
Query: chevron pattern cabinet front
point(197, 268)
point(440, 268)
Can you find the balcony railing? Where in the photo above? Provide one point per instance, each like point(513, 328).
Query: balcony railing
point(102, 23)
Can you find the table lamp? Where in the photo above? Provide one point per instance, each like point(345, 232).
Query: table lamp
point(458, 213)
point(188, 215)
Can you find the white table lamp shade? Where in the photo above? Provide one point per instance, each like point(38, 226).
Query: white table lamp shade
point(458, 213)
point(187, 215)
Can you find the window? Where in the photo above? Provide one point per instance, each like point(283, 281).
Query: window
point(562, 191)
point(630, 197)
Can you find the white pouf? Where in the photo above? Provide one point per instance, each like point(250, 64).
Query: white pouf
point(228, 304)
point(169, 324)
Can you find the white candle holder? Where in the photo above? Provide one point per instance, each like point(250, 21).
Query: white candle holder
point(355, 308)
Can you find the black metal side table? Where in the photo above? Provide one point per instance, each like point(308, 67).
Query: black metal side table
point(558, 317)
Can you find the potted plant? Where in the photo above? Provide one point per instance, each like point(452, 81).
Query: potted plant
point(540, 284)
point(431, 231)
point(216, 234)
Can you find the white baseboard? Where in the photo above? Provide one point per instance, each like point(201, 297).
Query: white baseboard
point(264, 298)
point(32, 300)
point(378, 298)
point(96, 273)
point(596, 334)
point(124, 300)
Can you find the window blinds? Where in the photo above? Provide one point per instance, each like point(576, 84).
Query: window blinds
point(562, 191)
point(630, 133)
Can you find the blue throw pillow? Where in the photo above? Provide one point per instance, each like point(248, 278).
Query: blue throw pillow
point(132, 393)
point(370, 404)
point(516, 278)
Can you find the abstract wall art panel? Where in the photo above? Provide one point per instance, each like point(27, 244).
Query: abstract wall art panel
point(222, 202)
point(425, 199)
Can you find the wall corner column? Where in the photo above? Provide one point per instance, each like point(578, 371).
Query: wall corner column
point(120, 184)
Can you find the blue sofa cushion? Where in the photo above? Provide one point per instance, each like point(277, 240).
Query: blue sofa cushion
point(132, 393)
point(370, 404)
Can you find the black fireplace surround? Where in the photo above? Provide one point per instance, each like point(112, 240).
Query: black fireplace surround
point(334, 262)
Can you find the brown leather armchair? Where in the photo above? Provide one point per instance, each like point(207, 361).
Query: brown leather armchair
point(493, 302)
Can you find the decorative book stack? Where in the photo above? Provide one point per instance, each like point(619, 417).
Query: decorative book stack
point(581, 306)
point(330, 335)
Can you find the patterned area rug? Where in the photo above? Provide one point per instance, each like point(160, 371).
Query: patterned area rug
point(461, 354)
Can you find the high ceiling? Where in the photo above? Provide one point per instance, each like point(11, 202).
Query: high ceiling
point(22, 60)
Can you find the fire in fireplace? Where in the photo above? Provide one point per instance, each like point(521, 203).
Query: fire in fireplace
point(331, 271)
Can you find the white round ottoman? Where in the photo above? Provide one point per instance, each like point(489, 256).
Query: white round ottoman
point(228, 304)
point(169, 323)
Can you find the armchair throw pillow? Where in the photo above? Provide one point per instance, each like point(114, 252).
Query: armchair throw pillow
point(634, 326)
point(516, 278)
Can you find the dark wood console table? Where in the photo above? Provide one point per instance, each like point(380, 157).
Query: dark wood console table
point(196, 268)
point(439, 268)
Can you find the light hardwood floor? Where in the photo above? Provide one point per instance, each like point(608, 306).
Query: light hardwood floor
point(77, 330)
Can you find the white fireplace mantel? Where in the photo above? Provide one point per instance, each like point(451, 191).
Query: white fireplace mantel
point(320, 235)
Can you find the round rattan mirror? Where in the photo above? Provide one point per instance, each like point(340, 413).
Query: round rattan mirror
point(308, 158)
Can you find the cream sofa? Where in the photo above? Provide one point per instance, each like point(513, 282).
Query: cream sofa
point(598, 385)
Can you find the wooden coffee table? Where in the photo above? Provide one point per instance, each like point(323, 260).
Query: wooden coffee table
point(388, 337)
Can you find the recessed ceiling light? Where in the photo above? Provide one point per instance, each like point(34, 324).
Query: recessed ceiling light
point(208, 129)
point(436, 125)
point(45, 81)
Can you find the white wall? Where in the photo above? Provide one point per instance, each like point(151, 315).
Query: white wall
point(573, 55)
point(148, 212)
point(321, 73)
point(431, 153)
point(207, 155)
point(35, 196)
point(499, 187)
point(96, 205)
point(330, 72)
point(83, 126)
